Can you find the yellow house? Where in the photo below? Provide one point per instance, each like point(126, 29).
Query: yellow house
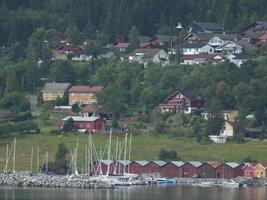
point(83, 95)
point(51, 91)
point(228, 129)
point(260, 170)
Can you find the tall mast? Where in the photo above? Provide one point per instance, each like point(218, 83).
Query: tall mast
point(109, 149)
point(125, 151)
point(37, 160)
point(31, 159)
point(7, 155)
point(130, 148)
point(86, 159)
point(14, 155)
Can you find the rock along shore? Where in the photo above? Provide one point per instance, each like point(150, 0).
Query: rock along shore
point(55, 181)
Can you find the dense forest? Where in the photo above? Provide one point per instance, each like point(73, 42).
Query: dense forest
point(19, 19)
point(31, 28)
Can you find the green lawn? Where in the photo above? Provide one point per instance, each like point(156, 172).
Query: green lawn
point(144, 146)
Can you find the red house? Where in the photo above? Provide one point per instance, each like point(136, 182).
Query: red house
point(137, 167)
point(208, 169)
point(172, 169)
point(121, 167)
point(182, 102)
point(86, 123)
point(100, 167)
point(190, 169)
point(154, 166)
point(229, 170)
point(249, 169)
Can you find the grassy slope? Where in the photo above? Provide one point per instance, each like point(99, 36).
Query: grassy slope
point(144, 146)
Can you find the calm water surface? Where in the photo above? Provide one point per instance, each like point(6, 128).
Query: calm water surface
point(136, 193)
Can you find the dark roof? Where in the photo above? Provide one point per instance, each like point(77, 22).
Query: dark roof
point(229, 37)
point(144, 39)
point(251, 34)
point(122, 45)
point(200, 56)
point(148, 53)
point(85, 89)
point(70, 48)
point(56, 87)
point(211, 26)
point(201, 36)
point(188, 94)
point(193, 45)
point(263, 24)
point(251, 49)
point(164, 38)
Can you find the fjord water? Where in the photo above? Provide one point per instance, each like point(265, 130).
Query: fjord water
point(135, 193)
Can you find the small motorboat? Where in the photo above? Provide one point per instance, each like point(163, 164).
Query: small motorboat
point(165, 181)
point(231, 184)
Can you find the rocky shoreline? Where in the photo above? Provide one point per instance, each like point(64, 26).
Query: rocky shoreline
point(55, 181)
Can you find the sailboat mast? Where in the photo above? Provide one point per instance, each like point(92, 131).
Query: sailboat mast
point(109, 149)
point(31, 159)
point(37, 160)
point(130, 148)
point(125, 151)
point(14, 155)
point(7, 148)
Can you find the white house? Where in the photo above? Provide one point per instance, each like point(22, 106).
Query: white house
point(237, 59)
point(196, 48)
point(229, 47)
point(145, 56)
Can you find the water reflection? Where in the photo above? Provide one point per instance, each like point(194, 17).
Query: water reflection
point(133, 193)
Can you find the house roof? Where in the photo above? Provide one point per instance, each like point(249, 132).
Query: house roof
point(232, 164)
point(195, 163)
point(263, 36)
point(56, 87)
point(159, 162)
point(247, 46)
point(188, 94)
point(261, 23)
point(141, 162)
point(177, 163)
point(209, 26)
point(236, 43)
point(201, 36)
point(252, 164)
point(144, 39)
point(193, 46)
point(251, 34)
point(81, 119)
point(106, 162)
point(124, 162)
point(70, 48)
point(85, 89)
point(147, 53)
point(204, 56)
point(214, 164)
point(164, 38)
point(122, 45)
point(229, 37)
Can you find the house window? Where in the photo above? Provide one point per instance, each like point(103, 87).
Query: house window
point(247, 173)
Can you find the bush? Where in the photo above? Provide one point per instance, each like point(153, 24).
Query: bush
point(22, 116)
point(168, 155)
point(26, 126)
point(25, 105)
point(55, 132)
point(69, 125)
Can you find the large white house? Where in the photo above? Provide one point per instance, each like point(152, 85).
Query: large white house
point(146, 56)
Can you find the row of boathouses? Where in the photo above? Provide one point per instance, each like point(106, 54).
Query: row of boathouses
point(180, 169)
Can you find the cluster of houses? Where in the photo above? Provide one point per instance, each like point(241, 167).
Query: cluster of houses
point(180, 169)
point(83, 95)
point(206, 42)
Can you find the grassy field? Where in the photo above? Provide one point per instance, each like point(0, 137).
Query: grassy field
point(144, 146)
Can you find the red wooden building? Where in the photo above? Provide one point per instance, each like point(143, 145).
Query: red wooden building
point(207, 169)
point(86, 123)
point(249, 169)
point(229, 170)
point(172, 169)
point(121, 167)
point(101, 167)
point(137, 167)
point(182, 101)
point(190, 169)
point(154, 166)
